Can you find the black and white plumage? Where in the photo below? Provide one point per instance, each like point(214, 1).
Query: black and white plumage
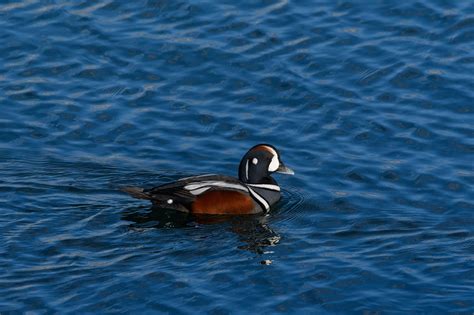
point(254, 191)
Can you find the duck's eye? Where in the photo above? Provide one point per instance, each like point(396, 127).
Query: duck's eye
point(254, 161)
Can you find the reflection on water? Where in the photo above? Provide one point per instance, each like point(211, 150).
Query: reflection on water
point(253, 230)
point(256, 233)
point(151, 217)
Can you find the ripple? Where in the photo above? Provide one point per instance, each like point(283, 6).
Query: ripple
point(291, 198)
point(371, 105)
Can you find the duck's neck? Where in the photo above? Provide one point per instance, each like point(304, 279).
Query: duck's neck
point(257, 180)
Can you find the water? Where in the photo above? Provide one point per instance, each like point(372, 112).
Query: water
point(370, 103)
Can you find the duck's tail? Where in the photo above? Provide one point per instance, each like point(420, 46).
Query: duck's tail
point(136, 192)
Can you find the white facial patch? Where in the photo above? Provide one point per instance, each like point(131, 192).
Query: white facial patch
point(274, 164)
point(247, 169)
point(169, 201)
point(254, 161)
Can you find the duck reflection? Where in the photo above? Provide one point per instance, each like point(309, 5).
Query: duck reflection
point(146, 217)
point(253, 230)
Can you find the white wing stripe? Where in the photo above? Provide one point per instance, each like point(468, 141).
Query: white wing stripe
point(265, 186)
point(184, 178)
point(198, 185)
point(199, 190)
point(260, 199)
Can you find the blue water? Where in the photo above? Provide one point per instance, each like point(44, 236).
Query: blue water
point(371, 103)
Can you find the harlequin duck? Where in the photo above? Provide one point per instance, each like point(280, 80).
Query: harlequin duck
point(255, 191)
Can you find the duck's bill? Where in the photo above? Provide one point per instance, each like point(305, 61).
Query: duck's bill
point(285, 170)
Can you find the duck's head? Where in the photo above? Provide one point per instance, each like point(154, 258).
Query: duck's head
point(259, 163)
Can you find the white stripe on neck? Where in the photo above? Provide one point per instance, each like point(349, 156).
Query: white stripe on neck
point(265, 186)
point(259, 198)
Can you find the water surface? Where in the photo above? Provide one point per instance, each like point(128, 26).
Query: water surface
point(370, 102)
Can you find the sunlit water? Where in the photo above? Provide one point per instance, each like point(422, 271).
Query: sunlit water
point(371, 104)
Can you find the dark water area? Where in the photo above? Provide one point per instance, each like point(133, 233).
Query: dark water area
point(371, 103)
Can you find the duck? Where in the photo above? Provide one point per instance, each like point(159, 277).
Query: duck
point(254, 191)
